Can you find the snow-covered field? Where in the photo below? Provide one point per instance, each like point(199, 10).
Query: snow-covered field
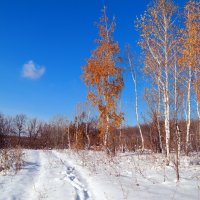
point(89, 175)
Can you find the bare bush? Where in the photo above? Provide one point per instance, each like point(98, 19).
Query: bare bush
point(11, 158)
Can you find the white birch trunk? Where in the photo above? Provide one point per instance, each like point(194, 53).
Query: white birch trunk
point(166, 95)
point(136, 112)
point(158, 116)
point(107, 118)
point(167, 125)
point(198, 112)
point(178, 140)
point(133, 75)
point(188, 110)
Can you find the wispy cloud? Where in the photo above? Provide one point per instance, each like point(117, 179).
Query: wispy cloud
point(32, 71)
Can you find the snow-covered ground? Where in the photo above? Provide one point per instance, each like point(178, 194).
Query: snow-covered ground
point(89, 175)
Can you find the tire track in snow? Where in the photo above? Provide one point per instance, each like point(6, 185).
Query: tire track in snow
point(70, 174)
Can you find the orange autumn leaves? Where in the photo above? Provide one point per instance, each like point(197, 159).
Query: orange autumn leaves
point(191, 43)
point(104, 78)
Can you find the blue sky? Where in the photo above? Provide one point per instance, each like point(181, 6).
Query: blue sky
point(45, 43)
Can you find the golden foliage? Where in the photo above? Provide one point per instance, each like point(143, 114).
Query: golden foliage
point(104, 78)
point(191, 42)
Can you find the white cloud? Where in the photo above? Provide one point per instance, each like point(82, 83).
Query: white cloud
point(32, 71)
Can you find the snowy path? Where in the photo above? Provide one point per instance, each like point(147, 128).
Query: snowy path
point(89, 175)
point(72, 176)
point(50, 183)
point(44, 176)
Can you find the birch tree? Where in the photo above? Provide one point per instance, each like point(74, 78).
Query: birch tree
point(104, 78)
point(177, 103)
point(196, 87)
point(134, 78)
point(157, 27)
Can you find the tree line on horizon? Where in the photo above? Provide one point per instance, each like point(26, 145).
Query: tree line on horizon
point(82, 133)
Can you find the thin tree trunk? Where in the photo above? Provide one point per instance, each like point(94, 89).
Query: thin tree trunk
point(120, 130)
point(120, 139)
point(86, 131)
point(68, 137)
point(178, 141)
point(167, 112)
point(178, 150)
point(133, 75)
point(136, 112)
point(106, 133)
point(76, 136)
point(188, 110)
point(167, 128)
point(198, 114)
point(166, 93)
point(198, 133)
point(158, 118)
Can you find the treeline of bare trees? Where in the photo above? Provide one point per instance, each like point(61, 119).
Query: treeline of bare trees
point(83, 133)
point(58, 132)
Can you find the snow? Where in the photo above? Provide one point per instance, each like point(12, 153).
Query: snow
point(40, 178)
point(90, 175)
